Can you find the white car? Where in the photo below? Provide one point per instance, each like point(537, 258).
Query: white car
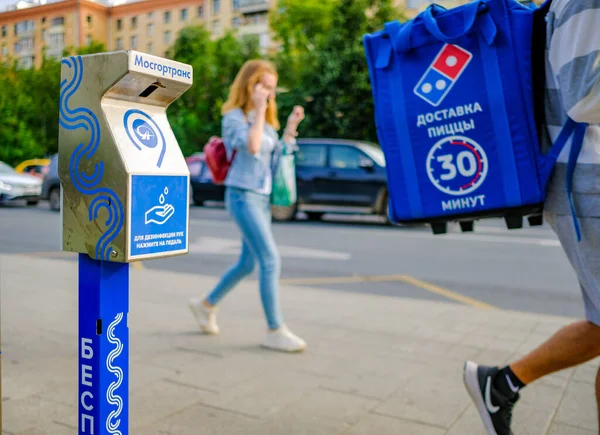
point(15, 186)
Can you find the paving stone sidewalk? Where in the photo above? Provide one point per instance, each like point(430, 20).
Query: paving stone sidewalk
point(375, 365)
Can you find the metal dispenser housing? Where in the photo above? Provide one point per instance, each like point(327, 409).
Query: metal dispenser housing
point(125, 182)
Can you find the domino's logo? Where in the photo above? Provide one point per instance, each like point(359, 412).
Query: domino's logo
point(442, 74)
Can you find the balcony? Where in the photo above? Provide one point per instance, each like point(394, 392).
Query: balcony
point(26, 47)
point(253, 29)
point(254, 6)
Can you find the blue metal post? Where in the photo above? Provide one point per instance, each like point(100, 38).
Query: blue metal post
point(103, 347)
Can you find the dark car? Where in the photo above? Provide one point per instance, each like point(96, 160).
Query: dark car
point(337, 175)
point(332, 175)
point(202, 186)
point(51, 184)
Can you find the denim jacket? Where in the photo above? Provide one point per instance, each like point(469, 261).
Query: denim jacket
point(250, 171)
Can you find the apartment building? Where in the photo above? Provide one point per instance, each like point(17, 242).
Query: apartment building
point(28, 30)
point(152, 25)
point(31, 28)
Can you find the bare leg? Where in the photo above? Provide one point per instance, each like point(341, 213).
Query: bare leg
point(570, 346)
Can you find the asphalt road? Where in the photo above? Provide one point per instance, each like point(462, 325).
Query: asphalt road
point(523, 269)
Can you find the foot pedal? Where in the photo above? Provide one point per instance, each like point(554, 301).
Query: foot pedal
point(467, 226)
point(536, 220)
point(513, 222)
point(439, 228)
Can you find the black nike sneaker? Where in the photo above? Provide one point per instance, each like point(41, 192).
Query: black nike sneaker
point(494, 407)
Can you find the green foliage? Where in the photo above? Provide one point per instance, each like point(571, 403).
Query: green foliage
point(335, 88)
point(299, 23)
point(93, 48)
point(29, 108)
point(17, 135)
point(196, 116)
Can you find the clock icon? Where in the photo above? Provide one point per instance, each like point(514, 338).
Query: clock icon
point(457, 165)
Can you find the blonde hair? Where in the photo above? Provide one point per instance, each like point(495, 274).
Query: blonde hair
point(241, 90)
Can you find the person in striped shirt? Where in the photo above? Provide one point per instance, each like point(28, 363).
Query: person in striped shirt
point(572, 90)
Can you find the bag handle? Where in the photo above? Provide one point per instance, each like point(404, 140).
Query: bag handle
point(469, 13)
point(476, 16)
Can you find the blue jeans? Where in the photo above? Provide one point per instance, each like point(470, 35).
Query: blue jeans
point(251, 212)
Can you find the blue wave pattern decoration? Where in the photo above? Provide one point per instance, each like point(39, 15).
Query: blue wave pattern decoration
point(113, 422)
point(86, 184)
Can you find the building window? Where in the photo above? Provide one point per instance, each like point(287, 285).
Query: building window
point(26, 44)
point(236, 4)
point(44, 35)
point(167, 17)
point(17, 48)
point(27, 61)
point(150, 29)
point(184, 14)
point(236, 22)
point(4, 31)
point(119, 24)
point(216, 6)
point(119, 44)
point(4, 51)
point(134, 42)
point(88, 40)
point(149, 48)
point(24, 26)
point(134, 22)
point(167, 37)
point(56, 40)
point(150, 15)
point(89, 20)
point(43, 20)
point(216, 26)
point(58, 21)
point(200, 12)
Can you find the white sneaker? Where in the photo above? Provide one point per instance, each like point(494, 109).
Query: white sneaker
point(284, 340)
point(206, 317)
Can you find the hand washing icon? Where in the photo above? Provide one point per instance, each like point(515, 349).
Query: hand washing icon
point(159, 214)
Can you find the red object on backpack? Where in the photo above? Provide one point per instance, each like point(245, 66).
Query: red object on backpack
point(216, 159)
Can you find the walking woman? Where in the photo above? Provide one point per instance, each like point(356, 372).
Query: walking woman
point(249, 126)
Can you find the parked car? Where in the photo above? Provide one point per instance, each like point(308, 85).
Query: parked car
point(338, 175)
point(51, 185)
point(202, 187)
point(15, 186)
point(36, 167)
point(332, 175)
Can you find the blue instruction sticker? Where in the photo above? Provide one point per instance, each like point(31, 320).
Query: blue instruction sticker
point(159, 215)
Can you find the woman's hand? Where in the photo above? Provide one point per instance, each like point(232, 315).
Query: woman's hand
point(259, 97)
point(295, 118)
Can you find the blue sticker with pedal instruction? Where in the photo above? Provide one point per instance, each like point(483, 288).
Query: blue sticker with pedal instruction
point(159, 215)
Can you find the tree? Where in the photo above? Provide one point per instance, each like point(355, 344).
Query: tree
point(196, 115)
point(93, 48)
point(29, 107)
point(17, 137)
point(336, 89)
point(298, 23)
point(297, 26)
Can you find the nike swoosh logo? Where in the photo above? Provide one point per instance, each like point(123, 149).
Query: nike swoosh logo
point(488, 397)
point(511, 385)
